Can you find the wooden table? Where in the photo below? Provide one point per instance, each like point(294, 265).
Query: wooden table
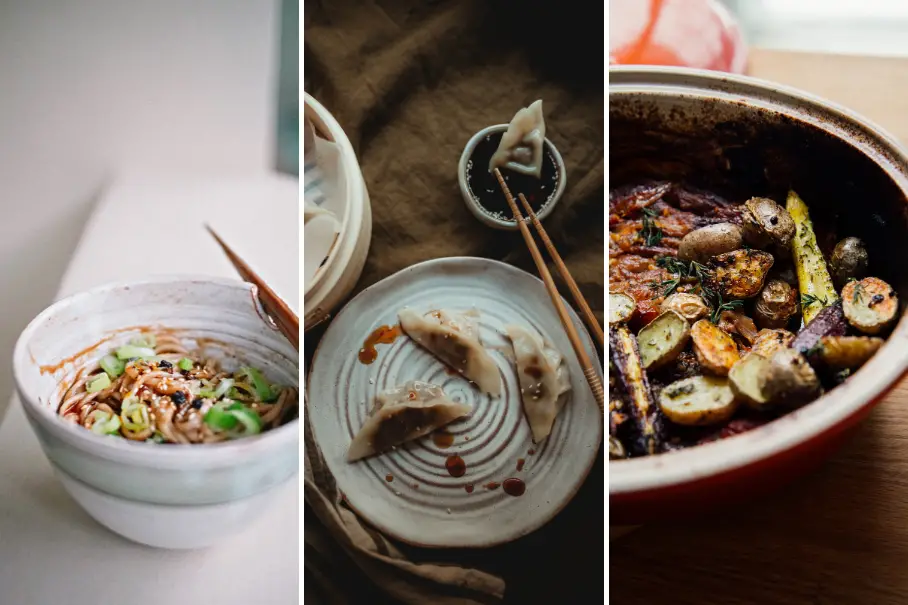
point(840, 535)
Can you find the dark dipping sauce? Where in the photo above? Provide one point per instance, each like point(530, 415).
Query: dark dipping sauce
point(484, 187)
point(456, 466)
point(514, 487)
point(383, 335)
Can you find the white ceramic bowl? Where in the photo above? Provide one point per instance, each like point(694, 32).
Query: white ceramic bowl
point(474, 206)
point(123, 476)
point(337, 277)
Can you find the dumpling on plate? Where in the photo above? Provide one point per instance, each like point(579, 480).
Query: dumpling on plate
point(521, 145)
point(454, 339)
point(543, 378)
point(403, 414)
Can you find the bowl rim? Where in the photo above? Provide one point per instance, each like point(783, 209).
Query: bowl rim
point(834, 409)
point(474, 206)
point(174, 456)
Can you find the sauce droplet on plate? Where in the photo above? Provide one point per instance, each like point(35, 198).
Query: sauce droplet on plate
point(520, 463)
point(493, 485)
point(389, 477)
point(442, 439)
point(383, 335)
point(456, 466)
point(514, 487)
point(469, 488)
point(531, 452)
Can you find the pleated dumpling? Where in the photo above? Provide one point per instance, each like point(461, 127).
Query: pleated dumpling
point(454, 339)
point(403, 414)
point(543, 377)
point(522, 143)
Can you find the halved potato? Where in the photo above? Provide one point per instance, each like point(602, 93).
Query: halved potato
point(663, 339)
point(849, 352)
point(770, 341)
point(690, 306)
point(715, 349)
point(745, 379)
point(741, 273)
point(698, 401)
point(621, 307)
point(870, 305)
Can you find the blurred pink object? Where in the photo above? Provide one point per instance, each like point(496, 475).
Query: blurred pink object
point(687, 33)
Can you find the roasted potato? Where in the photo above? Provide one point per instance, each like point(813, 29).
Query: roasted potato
point(776, 304)
point(663, 339)
point(814, 281)
point(745, 379)
point(716, 351)
point(702, 244)
point(870, 305)
point(849, 261)
point(848, 352)
point(740, 274)
point(766, 223)
point(689, 306)
point(770, 341)
point(621, 307)
point(698, 401)
point(788, 378)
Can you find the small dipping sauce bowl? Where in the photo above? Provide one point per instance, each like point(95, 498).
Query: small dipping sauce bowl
point(480, 189)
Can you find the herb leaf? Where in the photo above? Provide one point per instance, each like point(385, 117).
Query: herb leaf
point(809, 299)
point(650, 232)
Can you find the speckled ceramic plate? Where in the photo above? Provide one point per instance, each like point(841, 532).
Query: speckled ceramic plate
point(409, 493)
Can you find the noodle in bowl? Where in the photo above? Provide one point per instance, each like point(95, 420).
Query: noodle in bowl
point(162, 467)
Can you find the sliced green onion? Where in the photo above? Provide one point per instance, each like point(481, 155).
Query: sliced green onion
point(220, 420)
point(264, 391)
point(134, 352)
point(105, 423)
point(113, 366)
point(206, 393)
point(185, 364)
point(248, 418)
point(134, 414)
point(147, 340)
point(97, 383)
point(222, 388)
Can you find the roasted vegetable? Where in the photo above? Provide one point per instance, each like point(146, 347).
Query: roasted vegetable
point(849, 261)
point(621, 307)
point(745, 379)
point(848, 352)
point(698, 401)
point(689, 306)
point(702, 244)
point(735, 322)
point(716, 351)
point(828, 322)
point(648, 433)
point(777, 303)
point(870, 305)
point(814, 281)
point(615, 449)
point(663, 339)
point(789, 379)
point(766, 223)
point(770, 341)
point(739, 274)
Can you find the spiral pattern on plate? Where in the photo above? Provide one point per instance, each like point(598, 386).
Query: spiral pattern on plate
point(423, 503)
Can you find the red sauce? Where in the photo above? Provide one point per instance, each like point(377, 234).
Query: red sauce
point(514, 487)
point(416, 486)
point(492, 485)
point(383, 335)
point(442, 439)
point(53, 368)
point(531, 452)
point(520, 463)
point(456, 466)
point(469, 488)
point(389, 477)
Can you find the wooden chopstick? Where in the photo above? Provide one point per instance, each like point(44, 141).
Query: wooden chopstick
point(283, 316)
point(590, 372)
point(591, 320)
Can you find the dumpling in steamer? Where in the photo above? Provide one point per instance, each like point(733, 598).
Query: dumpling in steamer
point(403, 414)
point(522, 144)
point(454, 339)
point(543, 379)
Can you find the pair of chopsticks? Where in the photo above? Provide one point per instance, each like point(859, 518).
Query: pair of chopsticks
point(283, 317)
point(589, 370)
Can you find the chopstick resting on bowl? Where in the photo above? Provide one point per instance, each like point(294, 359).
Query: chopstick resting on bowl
point(283, 316)
point(589, 370)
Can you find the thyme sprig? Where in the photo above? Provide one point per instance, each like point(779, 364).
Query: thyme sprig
point(650, 231)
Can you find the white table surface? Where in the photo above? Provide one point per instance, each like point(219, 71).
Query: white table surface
point(51, 552)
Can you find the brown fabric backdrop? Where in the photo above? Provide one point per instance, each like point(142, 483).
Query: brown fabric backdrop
point(410, 82)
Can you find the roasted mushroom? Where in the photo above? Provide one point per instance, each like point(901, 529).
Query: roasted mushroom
point(689, 306)
point(766, 223)
point(777, 303)
point(706, 242)
point(849, 261)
